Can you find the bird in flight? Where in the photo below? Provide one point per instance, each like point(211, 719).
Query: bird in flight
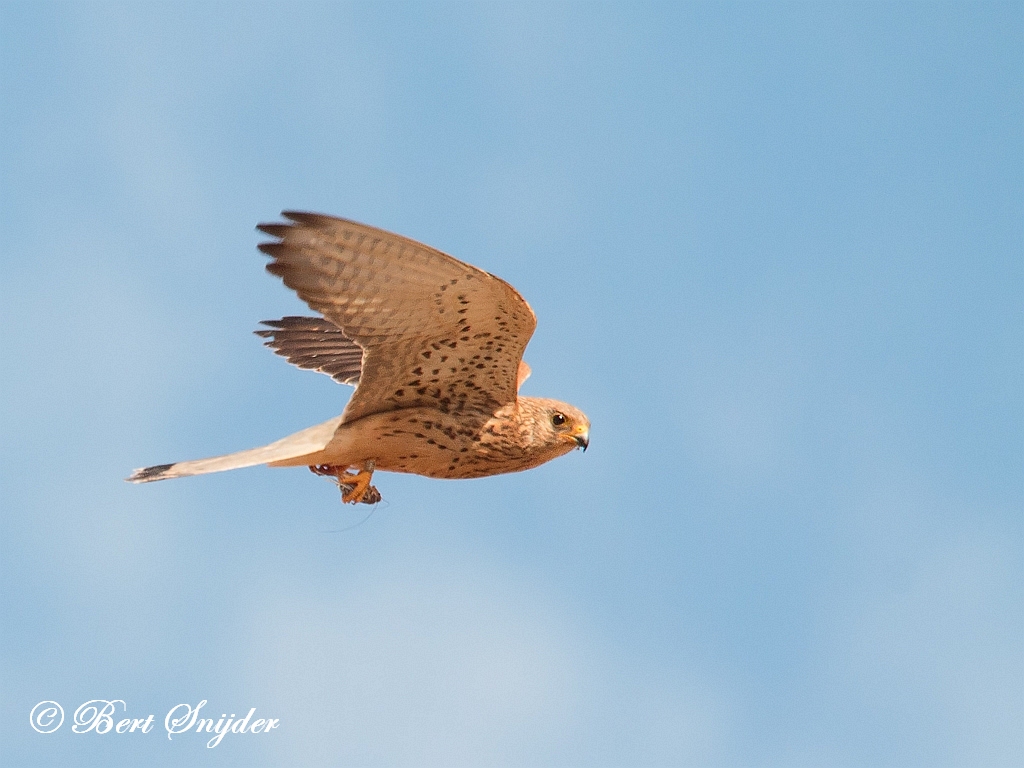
point(434, 348)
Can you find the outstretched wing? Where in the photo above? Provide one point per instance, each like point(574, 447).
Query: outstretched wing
point(435, 332)
point(316, 344)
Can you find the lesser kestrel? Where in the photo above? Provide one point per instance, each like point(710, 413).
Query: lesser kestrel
point(434, 348)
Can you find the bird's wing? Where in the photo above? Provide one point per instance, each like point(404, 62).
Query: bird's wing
point(435, 332)
point(523, 374)
point(317, 344)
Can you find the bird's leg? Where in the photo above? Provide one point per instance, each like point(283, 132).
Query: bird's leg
point(358, 482)
point(355, 488)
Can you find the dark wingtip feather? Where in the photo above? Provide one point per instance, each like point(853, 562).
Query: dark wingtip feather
point(274, 230)
point(149, 474)
point(314, 343)
point(307, 218)
point(271, 249)
point(293, 320)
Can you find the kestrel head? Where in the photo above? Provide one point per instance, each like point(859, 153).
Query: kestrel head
point(554, 427)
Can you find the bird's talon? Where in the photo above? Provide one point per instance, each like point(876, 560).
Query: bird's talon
point(355, 487)
point(372, 495)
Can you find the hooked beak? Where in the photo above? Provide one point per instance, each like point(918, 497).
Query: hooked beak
point(583, 439)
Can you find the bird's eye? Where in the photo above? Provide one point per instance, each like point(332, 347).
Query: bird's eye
point(558, 419)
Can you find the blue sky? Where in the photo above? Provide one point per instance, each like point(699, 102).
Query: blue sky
point(777, 255)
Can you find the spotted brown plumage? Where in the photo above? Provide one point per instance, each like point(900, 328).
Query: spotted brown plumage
point(434, 331)
point(434, 347)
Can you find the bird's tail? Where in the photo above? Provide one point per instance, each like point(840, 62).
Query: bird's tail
point(301, 443)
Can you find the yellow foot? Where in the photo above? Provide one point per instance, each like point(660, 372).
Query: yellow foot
point(355, 488)
point(358, 485)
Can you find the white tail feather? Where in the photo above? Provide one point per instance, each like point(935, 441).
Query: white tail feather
point(301, 443)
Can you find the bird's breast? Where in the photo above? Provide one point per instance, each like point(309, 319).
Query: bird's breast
point(427, 442)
